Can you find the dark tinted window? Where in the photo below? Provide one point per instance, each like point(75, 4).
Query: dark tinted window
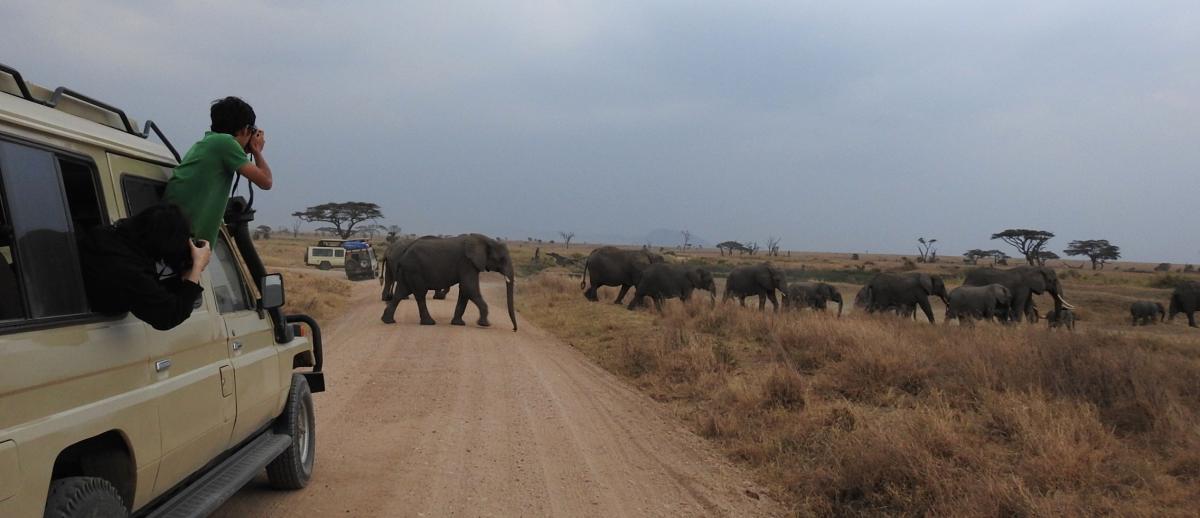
point(41, 232)
point(141, 193)
point(11, 304)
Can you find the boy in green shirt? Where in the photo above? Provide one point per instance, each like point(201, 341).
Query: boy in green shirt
point(201, 183)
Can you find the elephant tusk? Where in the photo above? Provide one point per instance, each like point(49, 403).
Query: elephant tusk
point(1064, 302)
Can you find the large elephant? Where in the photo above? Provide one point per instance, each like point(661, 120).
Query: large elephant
point(397, 249)
point(612, 266)
point(1147, 312)
point(904, 292)
point(761, 279)
point(1186, 299)
point(1023, 282)
point(814, 295)
point(433, 263)
point(968, 303)
point(669, 281)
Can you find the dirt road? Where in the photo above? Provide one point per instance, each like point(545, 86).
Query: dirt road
point(466, 421)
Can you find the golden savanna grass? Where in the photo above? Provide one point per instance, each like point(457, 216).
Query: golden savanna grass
point(322, 295)
point(874, 415)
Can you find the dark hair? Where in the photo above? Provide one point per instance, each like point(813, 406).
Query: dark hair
point(162, 231)
point(230, 115)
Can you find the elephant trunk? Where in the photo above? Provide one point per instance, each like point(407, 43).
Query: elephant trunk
point(512, 313)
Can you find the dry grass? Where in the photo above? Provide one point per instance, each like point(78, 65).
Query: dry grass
point(875, 415)
point(322, 295)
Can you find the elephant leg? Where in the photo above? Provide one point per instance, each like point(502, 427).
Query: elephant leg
point(1191, 318)
point(742, 300)
point(926, 309)
point(774, 301)
point(636, 301)
point(459, 308)
point(422, 308)
point(389, 312)
point(470, 285)
point(590, 294)
point(621, 295)
point(762, 302)
point(658, 303)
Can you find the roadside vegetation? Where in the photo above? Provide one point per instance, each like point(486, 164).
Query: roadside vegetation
point(323, 295)
point(871, 415)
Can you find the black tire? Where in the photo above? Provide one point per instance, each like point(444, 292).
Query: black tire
point(324, 265)
point(293, 468)
point(79, 497)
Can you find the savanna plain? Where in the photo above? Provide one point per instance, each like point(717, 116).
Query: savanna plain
point(880, 415)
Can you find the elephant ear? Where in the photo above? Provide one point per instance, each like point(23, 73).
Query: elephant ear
point(927, 283)
point(476, 251)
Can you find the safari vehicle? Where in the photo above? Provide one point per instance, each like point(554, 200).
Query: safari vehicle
point(361, 264)
point(101, 415)
point(325, 257)
point(330, 253)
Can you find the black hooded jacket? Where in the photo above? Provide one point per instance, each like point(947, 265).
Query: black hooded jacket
point(119, 276)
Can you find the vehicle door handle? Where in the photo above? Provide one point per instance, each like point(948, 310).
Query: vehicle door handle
point(162, 365)
point(237, 346)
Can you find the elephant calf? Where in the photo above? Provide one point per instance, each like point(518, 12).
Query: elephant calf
point(1061, 317)
point(668, 281)
point(1147, 312)
point(814, 295)
point(969, 303)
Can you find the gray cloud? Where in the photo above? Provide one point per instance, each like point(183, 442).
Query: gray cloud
point(837, 126)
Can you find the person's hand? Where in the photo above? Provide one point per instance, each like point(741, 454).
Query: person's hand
point(200, 255)
point(258, 141)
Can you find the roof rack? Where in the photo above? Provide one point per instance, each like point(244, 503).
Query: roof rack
point(62, 91)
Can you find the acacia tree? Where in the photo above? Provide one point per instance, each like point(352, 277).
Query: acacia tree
point(1099, 251)
point(687, 238)
point(731, 246)
point(343, 216)
point(1046, 255)
point(925, 248)
point(566, 236)
point(1028, 242)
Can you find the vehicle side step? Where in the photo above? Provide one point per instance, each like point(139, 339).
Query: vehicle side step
point(215, 487)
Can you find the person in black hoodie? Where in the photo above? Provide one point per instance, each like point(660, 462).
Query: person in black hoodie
point(147, 265)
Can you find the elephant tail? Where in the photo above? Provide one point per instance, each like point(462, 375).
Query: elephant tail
point(583, 281)
point(386, 280)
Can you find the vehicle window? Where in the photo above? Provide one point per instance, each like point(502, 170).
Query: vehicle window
point(141, 193)
point(83, 194)
point(39, 234)
point(11, 305)
point(322, 252)
point(339, 253)
point(227, 285)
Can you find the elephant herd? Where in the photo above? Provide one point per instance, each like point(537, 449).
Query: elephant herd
point(649, 275)
point(986, 293)
point(437, 263)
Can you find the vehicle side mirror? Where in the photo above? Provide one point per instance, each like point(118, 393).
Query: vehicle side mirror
point(272, 291)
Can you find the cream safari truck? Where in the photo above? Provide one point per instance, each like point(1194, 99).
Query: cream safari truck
point(102, 415)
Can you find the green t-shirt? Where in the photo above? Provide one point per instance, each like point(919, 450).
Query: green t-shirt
point(200, 185)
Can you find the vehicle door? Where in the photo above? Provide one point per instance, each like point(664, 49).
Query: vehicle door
point(257, 376)
point(193, 377)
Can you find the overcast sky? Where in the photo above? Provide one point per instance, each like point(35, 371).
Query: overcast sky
point(840, 126)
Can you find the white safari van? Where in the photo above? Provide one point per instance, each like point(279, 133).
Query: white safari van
point(100, 414)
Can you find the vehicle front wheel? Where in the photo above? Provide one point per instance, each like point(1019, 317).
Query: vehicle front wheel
point(78, 497)
point(292, 468)
point(325, 265)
